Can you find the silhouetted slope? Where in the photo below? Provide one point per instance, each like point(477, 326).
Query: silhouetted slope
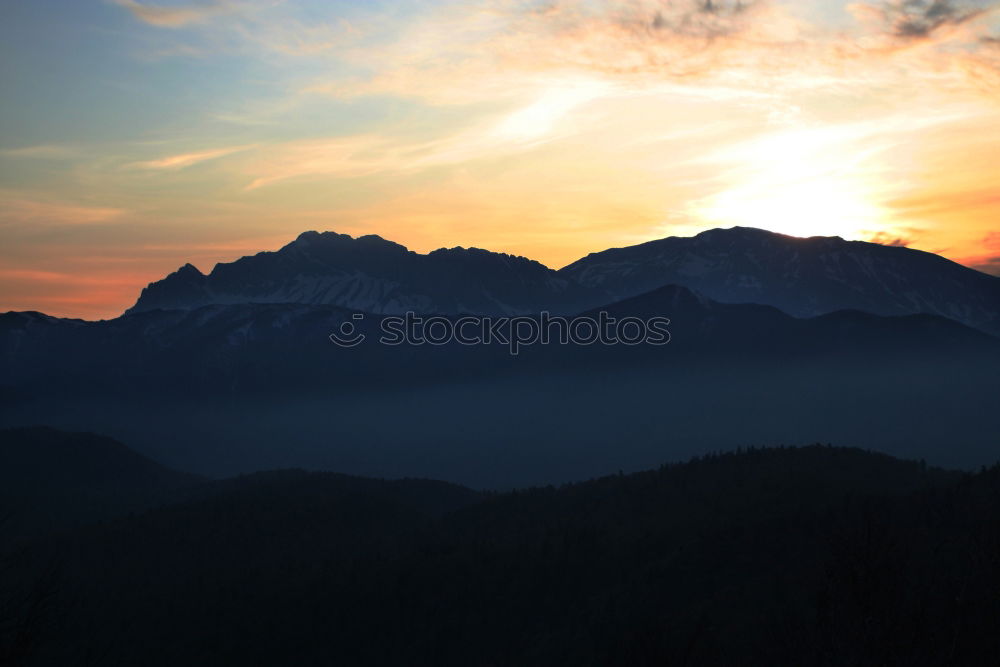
point(801, 276)
point(373, 275)
point(277, 347)
point(811, 556)
point(51, 479)
point(702, 323)
point(211, 389)
point(331, 492)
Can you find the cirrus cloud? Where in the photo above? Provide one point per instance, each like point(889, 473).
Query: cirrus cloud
point(184, 160)
point(177, 16)
point(17, 209)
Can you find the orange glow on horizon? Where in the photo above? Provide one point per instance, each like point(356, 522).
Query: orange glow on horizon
point(549, 132)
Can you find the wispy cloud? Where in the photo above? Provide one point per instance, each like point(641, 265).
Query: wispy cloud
point(432, 108)
point(502, 48)
point(37, 275)
point(185, 160)
point(499, 48)
point(537, 122)
point(885, 238)
point(71, 293)
point(988, 260)
point(989, 265)
point(41, 151)
point(14, 208)
point(177, 16)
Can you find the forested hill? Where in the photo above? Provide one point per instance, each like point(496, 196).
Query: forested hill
point(810, 556)
point(52, 480)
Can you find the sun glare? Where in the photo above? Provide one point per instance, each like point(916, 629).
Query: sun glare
point(803, 183)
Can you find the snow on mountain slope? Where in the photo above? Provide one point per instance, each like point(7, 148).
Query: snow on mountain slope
point(374, 275)
point(803, 277)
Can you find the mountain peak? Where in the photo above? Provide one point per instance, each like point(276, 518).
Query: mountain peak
point(183, 286)
point(737, 230)
point(741, 233)
point(804, 277)
point(189, 270)
point(308, 237)
point(372, 274)
point(310, 241)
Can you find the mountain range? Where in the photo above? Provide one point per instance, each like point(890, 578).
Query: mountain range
point(457, 528)
point(282, 346)
point(803, 277)
point(372, 275)
point(226, 389)
point(52, 480)
point(234, 371)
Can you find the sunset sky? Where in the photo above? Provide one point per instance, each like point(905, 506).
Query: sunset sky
point(135, 137)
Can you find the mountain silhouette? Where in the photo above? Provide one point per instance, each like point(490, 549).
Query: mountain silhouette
point(373, 275)
point(220, 382)
point(52, 479)
point(849, 342)
point(801, 276)
point(700, 322)
point(286, 346)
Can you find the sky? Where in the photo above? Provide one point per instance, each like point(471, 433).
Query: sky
point(137, 136)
